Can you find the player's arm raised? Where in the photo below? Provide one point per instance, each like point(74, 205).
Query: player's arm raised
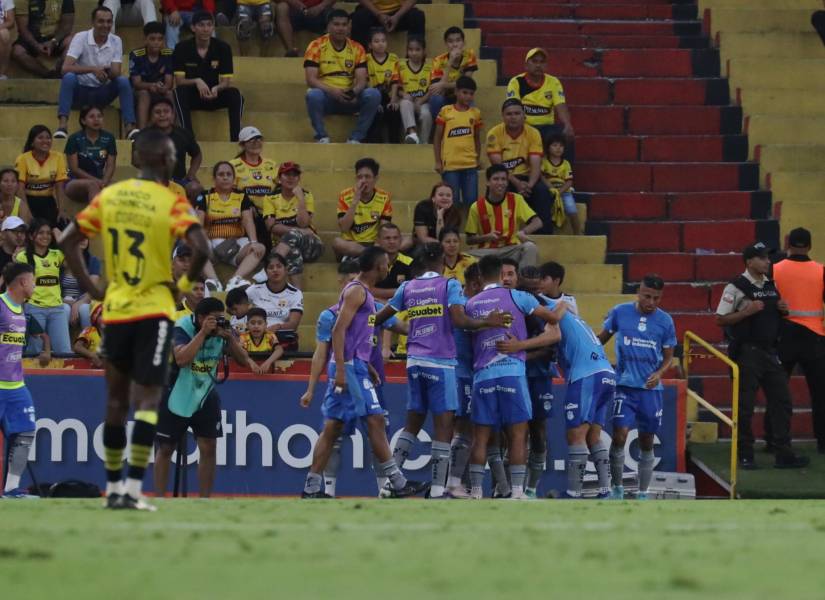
point(353, 299)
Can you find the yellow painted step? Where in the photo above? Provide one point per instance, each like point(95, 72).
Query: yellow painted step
point(751, 5)
point(808, 214)
point(799, 187)
point(779, 73)
point(776, 129)
point(776, 102)
point(776, 158)
point(760, 20)
point(771, 45)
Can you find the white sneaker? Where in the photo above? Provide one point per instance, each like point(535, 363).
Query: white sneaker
point(324, 140)
point(213, 285)
point(412, 138)
point(236, 282)
point(351, 141)
point(458, 491)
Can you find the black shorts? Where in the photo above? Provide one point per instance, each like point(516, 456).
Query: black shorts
point(205, 422)
point(140, 349)
point(301, 22)
point(35, 52)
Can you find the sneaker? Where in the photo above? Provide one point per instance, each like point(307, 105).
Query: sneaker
point(459, 492)
point(531, 494)
point(236, 282)
point(213, 285)
point(412, 488)
point(20, 494)
point(319, 495)
point(132, 133)
point(617, 492)
point(498, 495)
point(603, 495)
point(412, 138)
point(352, 141)
point(128, 502)
point(791, 461)
point(324, 140)
point(642, 496)
point(60, 133)
point(112, 501)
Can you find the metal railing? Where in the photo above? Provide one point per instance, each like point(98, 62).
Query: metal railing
point(733, 420)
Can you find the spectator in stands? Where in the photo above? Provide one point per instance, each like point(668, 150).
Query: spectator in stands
point(150, 71)
point(414, 75)
point(11, 205)
point(46, 305)
point(238, 306)
point(457, 62)
point(87, 343)
point(203, 74)
point(501, 222)
point(292, 16)
point(6, 25)
point(179, 14)
point(91, 155)
point(42, 172)
point(226, 215)
point(382, 68)
point(335, 68)
point(517, 146)
point(92, 74)
point(433, 215)
point(457, 142)
point(361, 209)
point(455, 261)
point(283, 303)
point(543, 97)
point(288, 216)
point(181, 259)
point(12, 241)
point(76, 302)
point(44, 30)
point(190, 300)
point(389, 239)
point(252, 12)
point(162, 117)
point(558, 176)
point(256, 176)
point(392, 15)
point(259, 342)
point(131, 13)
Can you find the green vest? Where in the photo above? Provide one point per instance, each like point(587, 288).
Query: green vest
point(196, 380)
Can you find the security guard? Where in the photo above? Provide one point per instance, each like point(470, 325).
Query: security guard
point(751, 311)
point(801, 282)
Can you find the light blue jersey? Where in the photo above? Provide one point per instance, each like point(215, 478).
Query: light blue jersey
point(323, 328)
point(580, 352)
point(640, 340)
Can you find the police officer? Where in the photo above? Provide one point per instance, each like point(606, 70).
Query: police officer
point(801, 282)
point(751, 312)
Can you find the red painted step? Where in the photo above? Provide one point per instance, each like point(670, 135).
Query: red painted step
point(717, 391)
point(687, 206)
point(711, 205)
point(582, 41)
point(681, 120)
point(644, 237)
point(702, 324)
point(680, 148)
point(598, 120)
point(607, 148)
point(626, 205)
point(686, 297)
point(545, 10)
point(587, 91)
point(657, 177)
point(683, 266)
point(718, 267)
point(675, 236)
point(567, 62)
point(649, 91)
point(551, 27)
point(719, 236)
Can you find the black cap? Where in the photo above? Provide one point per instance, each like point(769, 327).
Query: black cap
point(202, 15)
point(182, 251)
point(754, 250)
point(799, 238)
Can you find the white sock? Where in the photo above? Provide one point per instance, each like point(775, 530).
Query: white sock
point(382, 482)
point(12, 482)
point(476, 492)
point(517, 491)
point(436, 491)
point(453, 482)
point(114, 487)
point(329, 485)
point(134, 487)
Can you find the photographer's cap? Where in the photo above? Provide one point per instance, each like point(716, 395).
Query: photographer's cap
point(758, 249)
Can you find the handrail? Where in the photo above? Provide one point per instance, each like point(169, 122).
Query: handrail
point(733, 420)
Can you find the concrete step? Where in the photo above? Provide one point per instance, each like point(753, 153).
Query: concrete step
point(779, 73)
point(776, 158)
point(776, 102)
point(785, 129)
point(803, 186)
point(770, 45)
point(760, 20)
point(804, 213)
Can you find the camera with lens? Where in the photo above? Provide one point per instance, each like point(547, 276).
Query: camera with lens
point(222, 322)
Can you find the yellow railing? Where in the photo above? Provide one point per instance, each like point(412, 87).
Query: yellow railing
point(733, 420)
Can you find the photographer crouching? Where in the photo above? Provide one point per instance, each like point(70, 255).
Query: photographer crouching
point(199, 342)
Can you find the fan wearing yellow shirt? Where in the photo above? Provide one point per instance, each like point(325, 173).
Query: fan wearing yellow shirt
point(288, 215)
point(87, 343)
point(361, 210)
point(42, 172)
point(260, 343)
point(517, 146)
point(543, 97)
point(383, 72)
point(392, 15)
point(457, 142)
point(139, 221)
point(558, 174)
point(335, 69)
point(457, 62)
point(414, 75)
point(455, 261)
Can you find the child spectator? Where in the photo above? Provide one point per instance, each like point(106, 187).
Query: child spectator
point(255, 11)
point(283, 303)
point(414, 75)
point(42, 172)
point(361, 210)
point(260, 343)
point(150, 71)
point(91, 155)
point(457, 62)
point(457, 142)
point(76, 302)
point(88, 342)
point(383, 67)
point(558, 174)
point(11, 205)
point(238, 307)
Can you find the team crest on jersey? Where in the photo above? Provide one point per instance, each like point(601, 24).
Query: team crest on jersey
point(491, 139)
point(214, 64)
point(349, 64)
point(642, 324)
point(387, 74)
point(257, 175)
point(374, 215)
point(281, 303)
point(548, 95)
point(422, 82)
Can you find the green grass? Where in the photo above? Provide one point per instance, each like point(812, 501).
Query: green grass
point(364, 549)
point(767, 482)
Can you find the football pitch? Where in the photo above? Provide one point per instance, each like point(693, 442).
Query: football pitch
point(416, 549)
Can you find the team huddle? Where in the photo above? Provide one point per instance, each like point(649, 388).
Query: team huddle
point(480, 360)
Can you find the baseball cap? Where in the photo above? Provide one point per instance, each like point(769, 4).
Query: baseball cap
point(289, 166)
point(531, 53)
point(754, 250)
point(12, 223)
point(248, 133)
point(202, 15)
point(182, 251)
point(799, 238)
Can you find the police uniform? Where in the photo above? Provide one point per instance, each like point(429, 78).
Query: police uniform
point(753, 345)
point(801, 281)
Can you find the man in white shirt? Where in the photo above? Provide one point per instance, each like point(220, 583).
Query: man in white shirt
point(92, 74)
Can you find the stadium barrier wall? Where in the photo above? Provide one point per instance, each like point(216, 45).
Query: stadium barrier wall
point(268, 437)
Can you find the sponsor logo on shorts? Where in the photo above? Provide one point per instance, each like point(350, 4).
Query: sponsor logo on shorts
point(497, 388)
point(425, 375)
point(608, 381)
